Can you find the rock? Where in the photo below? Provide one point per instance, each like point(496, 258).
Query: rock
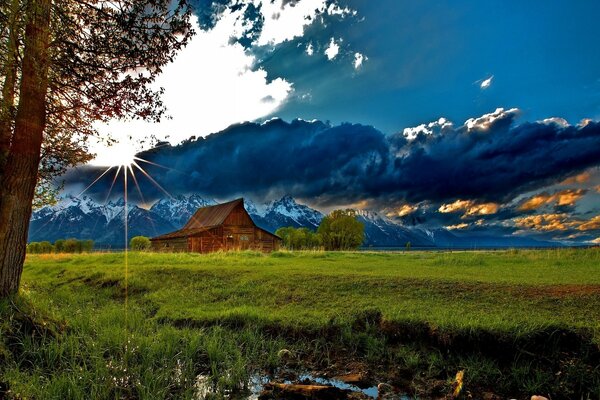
point(284, 353)
point(490, 396)
point(357, 379)
point(535, 397)
point(385, 391)
point(299, 392)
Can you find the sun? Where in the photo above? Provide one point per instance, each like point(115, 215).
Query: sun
point(120, 154)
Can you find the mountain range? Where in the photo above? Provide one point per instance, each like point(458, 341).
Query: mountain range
point(85, 218)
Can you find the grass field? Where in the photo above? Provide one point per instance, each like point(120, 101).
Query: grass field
point(518, 322)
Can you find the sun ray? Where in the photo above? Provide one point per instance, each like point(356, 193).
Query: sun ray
point(152, 163)
point(139, 190)
point(112, 184)
point(152, 180)
point(94, 182)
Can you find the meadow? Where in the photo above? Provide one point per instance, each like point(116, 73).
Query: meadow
point(518, 322)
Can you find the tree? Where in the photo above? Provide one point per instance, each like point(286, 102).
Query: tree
point(340, 230)
point(299, 238)
point(68, 64)
point(59, 246)
point(72, 246)
point(139, 243)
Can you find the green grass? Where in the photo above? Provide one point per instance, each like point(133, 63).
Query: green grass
point(80, 327)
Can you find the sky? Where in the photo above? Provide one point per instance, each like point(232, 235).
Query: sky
point(503, 94)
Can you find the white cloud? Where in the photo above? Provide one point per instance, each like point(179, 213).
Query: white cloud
point(310, 50)
point(359, 59)
point(210, 85)
point(555, 121)
point(335, 9)
point(284, 23)
point(487, 120)
point(431, 128)
point(332, 50)
point(486, 83)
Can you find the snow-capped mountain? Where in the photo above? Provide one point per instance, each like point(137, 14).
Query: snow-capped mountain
point(178, 210)
point(84, 218)
point(287, 212)
point(381, 231)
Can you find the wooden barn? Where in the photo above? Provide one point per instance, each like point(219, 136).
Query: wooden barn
point(226, 226)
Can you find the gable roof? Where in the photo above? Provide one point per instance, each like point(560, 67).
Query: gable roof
point(212, 215)
point(181, 233)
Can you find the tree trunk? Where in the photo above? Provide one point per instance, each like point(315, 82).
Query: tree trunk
point(10, 80)
point(20, 176)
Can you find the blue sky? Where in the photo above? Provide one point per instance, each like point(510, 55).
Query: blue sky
point(471, 115)
point(426, 57)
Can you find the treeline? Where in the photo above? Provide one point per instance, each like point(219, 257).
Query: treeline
point(61, 246)
point(340, 230)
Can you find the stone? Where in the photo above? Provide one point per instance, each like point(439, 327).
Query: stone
point(275, 390)
point(536, 397)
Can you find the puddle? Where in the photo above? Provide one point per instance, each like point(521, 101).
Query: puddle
point(370, 391)
point(256, 385)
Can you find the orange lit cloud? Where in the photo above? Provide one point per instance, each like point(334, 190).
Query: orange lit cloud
point(545, 222)
point(590, 225)
point(457, 226)
point(581, 178)
point(469, 208)
point(402, 211)
point(563, 198)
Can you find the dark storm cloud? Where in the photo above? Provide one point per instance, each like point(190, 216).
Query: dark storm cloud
point(494, 161)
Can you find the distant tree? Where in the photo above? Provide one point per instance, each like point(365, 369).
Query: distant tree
point(87, 246)
point(299, 238)
point(33, 248)
point(72, 246)
point(139, 243)
point(46, 247)
point(408, 246)
point(59, 246)
point(341, 230)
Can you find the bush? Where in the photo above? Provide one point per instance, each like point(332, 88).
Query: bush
point(139, 243)
point(59, 246)
point(299, 238)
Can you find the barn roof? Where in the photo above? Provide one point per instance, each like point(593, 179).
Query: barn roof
point(207, 218)
point(182, 233)
point(212, 215)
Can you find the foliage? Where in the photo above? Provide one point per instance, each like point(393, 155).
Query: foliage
point(299, 238)
point(97, 50)
point(139, 243)
point(340, 230)
point(61, 246)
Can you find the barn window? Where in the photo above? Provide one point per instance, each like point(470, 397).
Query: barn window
point(244, 238)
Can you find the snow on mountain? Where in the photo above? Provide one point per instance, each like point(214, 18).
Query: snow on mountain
point(178, 210)
point(381, 231)
point(84, 218)
point(287, 212)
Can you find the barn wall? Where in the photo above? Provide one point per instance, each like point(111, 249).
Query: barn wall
point(171, 245)
point(207, 242)
point(238, 217)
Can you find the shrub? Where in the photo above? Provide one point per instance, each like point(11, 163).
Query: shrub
point(299, 238)
point(139, 243)
point(59, 246)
